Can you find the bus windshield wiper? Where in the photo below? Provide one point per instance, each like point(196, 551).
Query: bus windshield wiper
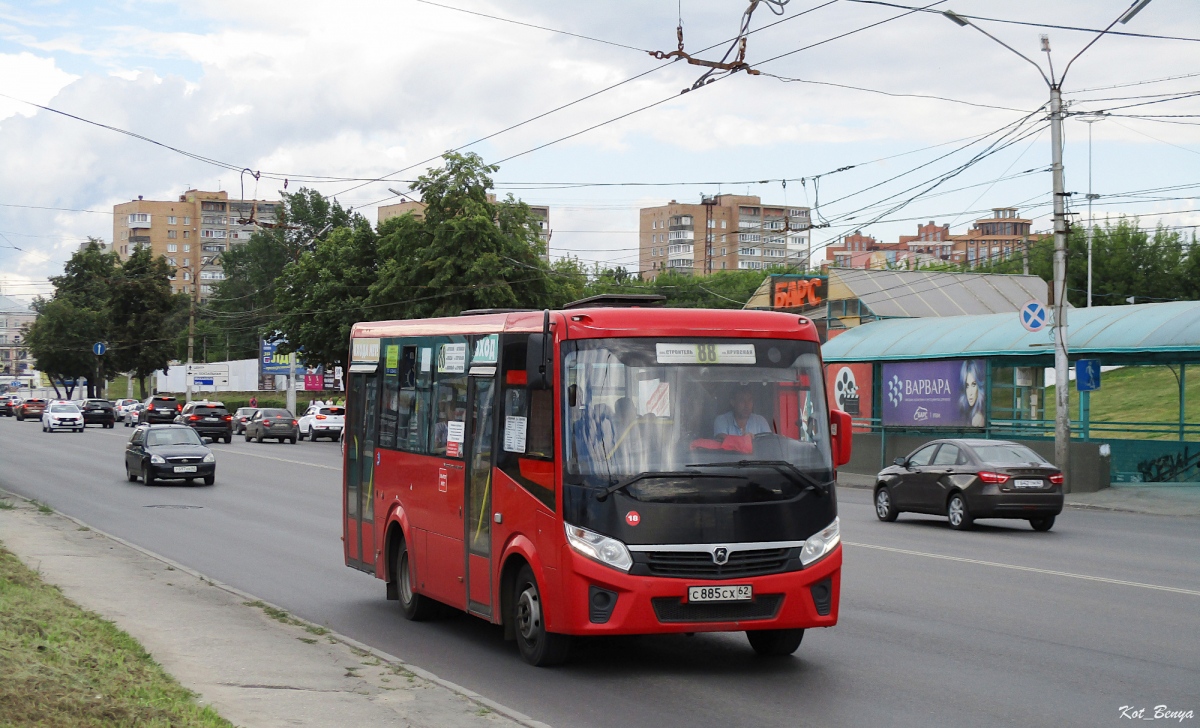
point(782, 466)
point(621, 484)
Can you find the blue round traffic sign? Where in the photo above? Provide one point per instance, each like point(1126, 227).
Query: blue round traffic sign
point(1033, 316)
point(99, 348)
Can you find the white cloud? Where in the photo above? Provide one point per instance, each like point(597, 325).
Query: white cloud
point(29, 78)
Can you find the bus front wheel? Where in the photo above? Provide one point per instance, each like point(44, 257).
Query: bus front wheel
point(416, 607)
point(538, 647)
point(775, 642)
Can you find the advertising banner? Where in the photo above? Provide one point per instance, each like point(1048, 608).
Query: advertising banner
point(935, 394)
point(850, 389)
point(271, 361)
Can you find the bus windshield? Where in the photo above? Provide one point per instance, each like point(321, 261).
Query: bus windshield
point(684, 410)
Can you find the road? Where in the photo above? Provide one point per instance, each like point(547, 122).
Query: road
point(998, 626)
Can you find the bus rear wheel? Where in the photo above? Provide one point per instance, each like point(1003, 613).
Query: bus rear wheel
point(416, 607)
point(538, 647)
point(775, 642)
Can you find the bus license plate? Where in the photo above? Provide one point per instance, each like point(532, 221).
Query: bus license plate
point(1028, 483)
point(736, 593)
point(185, 468)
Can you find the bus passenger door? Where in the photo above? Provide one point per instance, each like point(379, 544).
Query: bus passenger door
point(478, 491)
point(361, 415)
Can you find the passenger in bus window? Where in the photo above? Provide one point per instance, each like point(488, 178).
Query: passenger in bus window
point(741, 419)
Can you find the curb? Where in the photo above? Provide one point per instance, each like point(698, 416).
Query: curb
point(513, 715)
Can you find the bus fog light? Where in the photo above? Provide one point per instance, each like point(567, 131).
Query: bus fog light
point(821, 543)
point(597, 547)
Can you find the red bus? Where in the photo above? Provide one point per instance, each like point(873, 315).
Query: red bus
point(598, 470)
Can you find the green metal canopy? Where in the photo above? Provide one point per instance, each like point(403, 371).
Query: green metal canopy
point(1143, 333)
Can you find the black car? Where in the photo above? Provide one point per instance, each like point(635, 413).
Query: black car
point(160, 410)
point(969, 479)
point(168, 452)
point(99, 412)
point(210, 419)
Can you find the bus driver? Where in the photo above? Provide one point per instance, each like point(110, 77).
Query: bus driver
point(741, 420)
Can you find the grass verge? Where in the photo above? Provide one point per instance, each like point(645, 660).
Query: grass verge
point(64, 666)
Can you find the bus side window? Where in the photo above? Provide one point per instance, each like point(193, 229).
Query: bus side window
point(527, 428)
point(389, 412)
point(449, 411)
point(412, 416)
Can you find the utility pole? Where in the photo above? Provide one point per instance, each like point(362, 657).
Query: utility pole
point(709, 203)
point(1025, 254)
point(1062, 387)
point(291, 392)
point(1062, 384)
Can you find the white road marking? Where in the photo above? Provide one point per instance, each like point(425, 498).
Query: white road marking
point(1014, 567)
point(282, 460)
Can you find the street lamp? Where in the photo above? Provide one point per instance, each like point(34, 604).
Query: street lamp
point(1090, 119)
point(1062, 418)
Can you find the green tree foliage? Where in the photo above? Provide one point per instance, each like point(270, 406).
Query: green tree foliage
point(243, 305)
point(143, 315)
point(1127, 261)
point(722, 289)
point(325, 293)
point(465, 252)
point(61, 340)
point(74, 319)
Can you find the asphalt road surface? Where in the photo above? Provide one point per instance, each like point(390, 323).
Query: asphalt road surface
point(998, 626)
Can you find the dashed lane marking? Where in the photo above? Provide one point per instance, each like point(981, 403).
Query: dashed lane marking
point(1014, 567)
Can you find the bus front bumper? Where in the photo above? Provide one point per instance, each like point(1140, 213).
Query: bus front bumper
point(598, 600)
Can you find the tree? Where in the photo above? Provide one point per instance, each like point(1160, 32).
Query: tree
point(143, 315)
point(722, 289)
point(464, 252)
point(243, 307)
point(73, 319)
point(325, 293)
point(61, 340)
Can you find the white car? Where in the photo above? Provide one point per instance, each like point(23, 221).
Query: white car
point(122, 407)
point(323, 420)
point(62, 416)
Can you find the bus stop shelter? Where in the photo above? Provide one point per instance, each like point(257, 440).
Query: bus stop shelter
point(909, 380)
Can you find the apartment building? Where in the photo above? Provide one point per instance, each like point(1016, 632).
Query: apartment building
point(540, 212)
point(191, 233)
point(14, 357)
point(724, 232)
point(1002, 236)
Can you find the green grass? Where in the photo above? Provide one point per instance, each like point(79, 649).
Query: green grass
point(6, 505)
point(63, 666)
point(1137, 394)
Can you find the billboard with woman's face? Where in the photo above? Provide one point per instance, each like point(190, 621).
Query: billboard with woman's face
point(935, 393)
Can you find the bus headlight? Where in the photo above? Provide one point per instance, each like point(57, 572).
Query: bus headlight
point(608, 551)
point(821, 543)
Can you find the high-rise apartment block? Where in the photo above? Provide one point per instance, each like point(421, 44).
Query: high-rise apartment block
point(191, 233)
point(725, 232)
point(540, 212)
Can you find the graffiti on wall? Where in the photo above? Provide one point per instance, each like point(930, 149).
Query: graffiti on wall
point(1177, 467)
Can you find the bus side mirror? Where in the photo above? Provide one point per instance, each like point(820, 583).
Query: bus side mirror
point(538, 358)
point(841, 429)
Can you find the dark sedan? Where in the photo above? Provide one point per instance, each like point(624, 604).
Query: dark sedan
point(273, 424)
point(9, 404)
point(210, 419)
point(30, 409)
point(241, 417)
point(99, 412)
point(160, 409)
point(168, 452)
point(969, 479)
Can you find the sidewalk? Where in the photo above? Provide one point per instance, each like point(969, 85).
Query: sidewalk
point(1167, 500)
point(255, 670)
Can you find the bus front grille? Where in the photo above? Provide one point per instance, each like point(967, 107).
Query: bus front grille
point(700, 564)
point(672, 609)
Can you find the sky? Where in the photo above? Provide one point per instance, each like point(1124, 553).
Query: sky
point(936, 122)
